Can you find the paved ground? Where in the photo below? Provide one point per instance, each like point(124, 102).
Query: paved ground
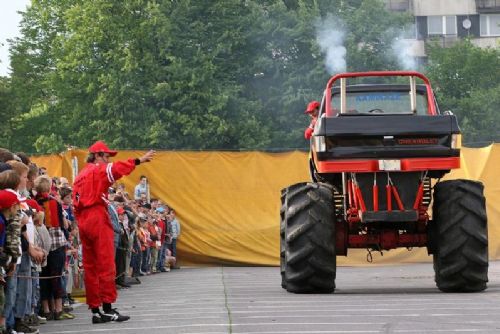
point(389, 299)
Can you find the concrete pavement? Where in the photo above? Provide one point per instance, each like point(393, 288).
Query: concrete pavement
point(373, 299)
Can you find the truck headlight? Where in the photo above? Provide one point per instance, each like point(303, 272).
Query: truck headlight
point(456, 140)
point(319, 143)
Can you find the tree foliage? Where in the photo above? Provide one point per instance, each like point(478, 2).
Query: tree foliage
point(470, 89)
point(187, 74)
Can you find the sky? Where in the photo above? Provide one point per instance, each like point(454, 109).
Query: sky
point(9, 28)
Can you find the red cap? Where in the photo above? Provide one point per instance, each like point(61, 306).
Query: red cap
point(101, 147)
point(8, 199)
point(120, 210)
point(311, 106)
point(34, 205)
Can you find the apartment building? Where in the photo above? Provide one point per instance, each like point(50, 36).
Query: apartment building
point(446, 21)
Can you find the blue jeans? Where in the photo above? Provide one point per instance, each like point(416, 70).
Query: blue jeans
point(10, 300)
point(173, 247)
point(24, 288)
point(145, 260)
point(161, 257)
point(64, 282)
point(35, 292)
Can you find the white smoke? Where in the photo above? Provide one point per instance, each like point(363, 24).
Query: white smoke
point(403, 49)
point(330, 35)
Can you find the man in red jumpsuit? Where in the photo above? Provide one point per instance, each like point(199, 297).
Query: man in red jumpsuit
point(96, 232)
point(312, 110)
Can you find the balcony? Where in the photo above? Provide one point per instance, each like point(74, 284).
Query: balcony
point(398, 5)
point(488, 6)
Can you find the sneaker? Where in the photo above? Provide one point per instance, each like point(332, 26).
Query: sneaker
point(132, 281)
point(63, 316)
point(11, 331)
point(41, 320)
point(123, 285)
point(163, 270)
point(67, 309)
point(48, 316)
point(113, 315)
point(97, 318)
point(21, 326)
point(32, 320)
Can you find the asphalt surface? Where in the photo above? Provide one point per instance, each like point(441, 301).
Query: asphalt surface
point(374, 299)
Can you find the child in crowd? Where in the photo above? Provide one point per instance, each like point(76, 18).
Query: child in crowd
point(9, 208)
point(39, 237)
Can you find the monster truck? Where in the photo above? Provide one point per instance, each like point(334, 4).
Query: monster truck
point(377, 156)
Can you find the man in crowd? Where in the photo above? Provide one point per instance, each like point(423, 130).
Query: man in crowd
point(89, 192)
point(141, 190)
point(175, 233)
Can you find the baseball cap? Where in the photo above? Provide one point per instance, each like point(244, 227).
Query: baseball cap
point(8, 199)
point(311, 106)
point(101, 147)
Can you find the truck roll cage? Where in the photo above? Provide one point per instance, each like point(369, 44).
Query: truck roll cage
point(343, 89)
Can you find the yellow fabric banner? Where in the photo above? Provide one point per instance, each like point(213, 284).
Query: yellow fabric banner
point(228, 202)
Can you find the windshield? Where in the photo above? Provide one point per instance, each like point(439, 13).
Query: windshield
point(380, 102)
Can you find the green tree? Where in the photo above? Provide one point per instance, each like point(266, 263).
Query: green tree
point(6, 109)
point(471, 89)
point(181, 74)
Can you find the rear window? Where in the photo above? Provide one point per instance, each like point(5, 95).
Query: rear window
point(380, 102)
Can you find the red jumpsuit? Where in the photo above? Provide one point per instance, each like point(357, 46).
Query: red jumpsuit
point(310, 129)
point(96, 232)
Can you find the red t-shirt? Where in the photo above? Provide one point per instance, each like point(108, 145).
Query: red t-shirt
point(161, 224)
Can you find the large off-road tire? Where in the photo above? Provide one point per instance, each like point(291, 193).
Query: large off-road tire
point(310, 261)
point(282, 238)
point(284, 193)
point(460, 236)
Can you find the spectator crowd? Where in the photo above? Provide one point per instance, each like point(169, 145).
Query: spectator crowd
point(40, 249)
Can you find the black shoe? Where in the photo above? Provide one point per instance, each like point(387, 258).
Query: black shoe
point(97, 318)
point(138, 280)
point(132, 281)
point(23, 328)
point(123, 285)
point(113, 315)
point(163, 270)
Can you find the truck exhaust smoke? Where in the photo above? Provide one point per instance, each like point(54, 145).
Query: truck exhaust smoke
point(402, 48)
point(330, 36)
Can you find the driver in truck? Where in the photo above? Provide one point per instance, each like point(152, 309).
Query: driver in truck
point(312, 110)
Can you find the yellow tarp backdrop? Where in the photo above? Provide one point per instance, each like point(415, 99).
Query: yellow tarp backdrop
point(228, 202)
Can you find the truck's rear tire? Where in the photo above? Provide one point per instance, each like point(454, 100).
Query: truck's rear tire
point(460, 236)
point(282, 238)
point(310, 260)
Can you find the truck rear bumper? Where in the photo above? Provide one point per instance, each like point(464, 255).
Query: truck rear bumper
point(407, 165)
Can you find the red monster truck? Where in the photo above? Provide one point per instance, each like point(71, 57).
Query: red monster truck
point(378, 153)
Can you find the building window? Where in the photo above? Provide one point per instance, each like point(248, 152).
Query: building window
point(490, 24)
point(442, 25)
